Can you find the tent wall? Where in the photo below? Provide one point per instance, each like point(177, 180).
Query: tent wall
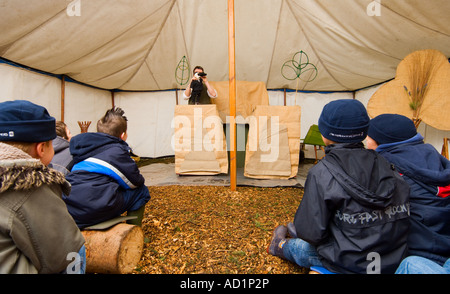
point(150, 114)
point(84, 104)
point(18, 83)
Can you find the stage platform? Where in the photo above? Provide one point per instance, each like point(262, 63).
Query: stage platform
point(163, 174)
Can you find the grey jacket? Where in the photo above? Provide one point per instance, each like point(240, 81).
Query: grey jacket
point(36, 231)
point(62, 160)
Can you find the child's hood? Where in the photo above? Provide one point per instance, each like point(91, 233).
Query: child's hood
point(86, 145)
point(60, 144)
point(366, 177)
point(421, 162)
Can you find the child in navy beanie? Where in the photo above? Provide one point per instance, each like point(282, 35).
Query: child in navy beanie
point(427, 172)
point(391, 128)
point(347, 210)
point(344, 121)
point(37, 232)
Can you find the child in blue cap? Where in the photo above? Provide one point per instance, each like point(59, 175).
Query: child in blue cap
point(427, 172)
point(37, 233)
point(354, 214)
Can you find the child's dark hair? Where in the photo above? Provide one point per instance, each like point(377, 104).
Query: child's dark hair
point(113, 123)
point(197, 67)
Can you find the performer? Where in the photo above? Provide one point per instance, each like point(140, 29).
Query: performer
point(199, 91)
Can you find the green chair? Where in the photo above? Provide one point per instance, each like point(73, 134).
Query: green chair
point(313, 137)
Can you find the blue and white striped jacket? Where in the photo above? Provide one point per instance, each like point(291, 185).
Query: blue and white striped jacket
point(102, 171)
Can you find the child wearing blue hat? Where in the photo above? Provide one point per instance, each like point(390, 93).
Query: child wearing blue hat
point(354, 214)
point(427, 172)
point(37, 233)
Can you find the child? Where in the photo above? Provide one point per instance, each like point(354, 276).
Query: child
point(36, 231)
point(62, 160)
point(428, 174)
point(354, 216)
point(106, 181)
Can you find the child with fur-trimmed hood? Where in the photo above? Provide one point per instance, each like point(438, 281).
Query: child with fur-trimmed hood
point(36, 231)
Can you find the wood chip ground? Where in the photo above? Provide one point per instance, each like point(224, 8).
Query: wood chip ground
point(213, 230)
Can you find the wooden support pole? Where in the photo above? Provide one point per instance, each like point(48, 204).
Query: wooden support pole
point(232, 91)
point(112, 98)
point(63, 96)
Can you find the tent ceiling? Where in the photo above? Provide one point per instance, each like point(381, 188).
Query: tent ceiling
point(137, 44)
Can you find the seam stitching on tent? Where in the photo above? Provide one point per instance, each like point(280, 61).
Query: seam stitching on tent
point(314, 50)
point(104, 44)
point(169, 12)
point(275, 43)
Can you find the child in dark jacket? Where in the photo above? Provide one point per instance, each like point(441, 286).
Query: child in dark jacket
point(354, 215)
point(37, 234)
point(106, 181)
point(428, 174)
point(62, 160)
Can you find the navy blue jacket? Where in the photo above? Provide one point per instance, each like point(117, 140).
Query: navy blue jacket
point(428, 174)
point(355, 208)
point(102, 170)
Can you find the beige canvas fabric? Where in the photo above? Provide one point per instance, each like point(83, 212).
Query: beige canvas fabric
point(273, 144)
point(258, 167)
point(138, 45)
point(248, 96)
point(199, 141)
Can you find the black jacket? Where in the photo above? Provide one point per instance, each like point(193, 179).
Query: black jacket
point(355, 210)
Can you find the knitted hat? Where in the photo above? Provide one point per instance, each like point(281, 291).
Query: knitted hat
point(23, 121)
point(344, 121)
point(390, 128)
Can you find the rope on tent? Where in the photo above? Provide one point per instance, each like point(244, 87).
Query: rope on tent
point(297, 67)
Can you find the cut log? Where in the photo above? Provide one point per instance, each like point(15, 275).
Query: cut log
point(113, 251)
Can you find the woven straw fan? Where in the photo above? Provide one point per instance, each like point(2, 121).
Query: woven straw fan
point(420, 90)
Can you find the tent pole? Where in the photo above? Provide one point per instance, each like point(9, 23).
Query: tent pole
point(63, 96)
point(232, 92)
point(112, 99)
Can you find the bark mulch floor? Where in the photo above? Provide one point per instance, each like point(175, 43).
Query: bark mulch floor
point(213, 230)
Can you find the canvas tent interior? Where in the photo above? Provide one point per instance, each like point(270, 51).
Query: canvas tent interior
point(77, 57)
